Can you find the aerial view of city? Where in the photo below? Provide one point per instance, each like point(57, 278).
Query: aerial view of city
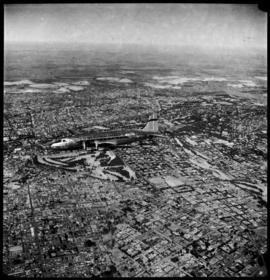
point(134, 140)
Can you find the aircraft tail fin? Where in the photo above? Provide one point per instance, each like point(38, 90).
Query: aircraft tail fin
point(152, 124)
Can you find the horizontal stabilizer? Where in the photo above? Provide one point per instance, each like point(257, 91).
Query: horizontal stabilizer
point(152, 124)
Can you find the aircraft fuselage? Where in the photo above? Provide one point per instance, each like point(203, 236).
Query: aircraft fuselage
point(107, 138)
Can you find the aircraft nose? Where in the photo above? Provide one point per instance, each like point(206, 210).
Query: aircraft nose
point(53, 146)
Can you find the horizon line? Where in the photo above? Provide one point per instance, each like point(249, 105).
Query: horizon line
point(136, 44)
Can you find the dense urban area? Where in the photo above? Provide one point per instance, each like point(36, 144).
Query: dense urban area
point(196, 207)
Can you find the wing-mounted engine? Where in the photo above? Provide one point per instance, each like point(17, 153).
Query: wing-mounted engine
point(103, 143)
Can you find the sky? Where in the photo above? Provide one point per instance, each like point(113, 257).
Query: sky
point(205, 25)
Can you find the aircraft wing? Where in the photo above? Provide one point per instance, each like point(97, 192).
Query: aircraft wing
point(157, 135)
point(161, 136)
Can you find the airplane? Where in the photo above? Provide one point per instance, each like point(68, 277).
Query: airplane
point(111, 138)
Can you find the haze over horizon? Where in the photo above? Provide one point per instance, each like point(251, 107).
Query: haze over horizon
point(233, 26)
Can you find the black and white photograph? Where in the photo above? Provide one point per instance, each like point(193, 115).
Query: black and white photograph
point(134, 140)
